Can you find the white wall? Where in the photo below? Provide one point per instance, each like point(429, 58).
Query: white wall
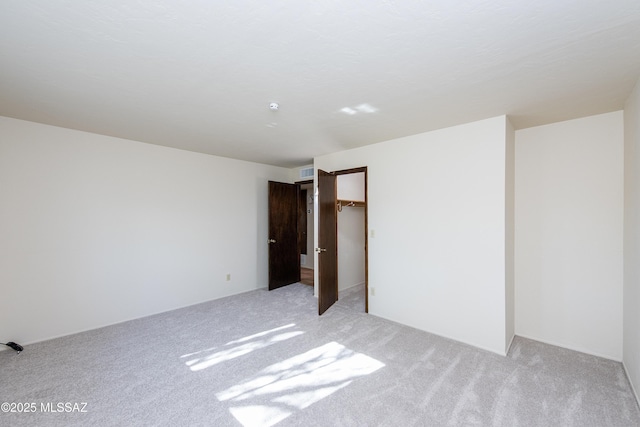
point(350, 247)
point(631, 353)
point(96, 230)
point(510, 158)
point(350, 186)
point(569, 199)
point(436, 204)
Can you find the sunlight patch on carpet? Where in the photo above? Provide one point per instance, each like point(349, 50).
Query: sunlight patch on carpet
point(279, 390)
point(239, 347)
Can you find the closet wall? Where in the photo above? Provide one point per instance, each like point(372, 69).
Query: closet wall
point(351, 232)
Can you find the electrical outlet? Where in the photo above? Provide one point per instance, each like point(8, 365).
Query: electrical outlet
point(372, 291)
point(228, 277)
point(373, 233)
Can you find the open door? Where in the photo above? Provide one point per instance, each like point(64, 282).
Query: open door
point(327, 241)
point(284, 258)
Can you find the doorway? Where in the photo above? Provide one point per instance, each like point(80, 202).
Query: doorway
point(286, 236)
point(352, 233)
point(284, 257)
point(305, 232)
point(341, 192)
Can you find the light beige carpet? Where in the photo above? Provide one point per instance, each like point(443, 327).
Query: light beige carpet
point(266, 358)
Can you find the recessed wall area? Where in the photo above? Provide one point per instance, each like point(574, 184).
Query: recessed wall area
point(569, 225)
point(560, 193)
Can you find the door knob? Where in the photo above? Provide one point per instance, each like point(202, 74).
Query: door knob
point(271, 240)
point(318, 250)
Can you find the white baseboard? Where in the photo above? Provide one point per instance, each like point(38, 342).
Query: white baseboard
point(510, 344)
point(569, 347)
point(128, 319)
point(633, 389)
point(349, 288)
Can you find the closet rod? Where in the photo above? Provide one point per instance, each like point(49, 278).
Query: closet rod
point(349, 204)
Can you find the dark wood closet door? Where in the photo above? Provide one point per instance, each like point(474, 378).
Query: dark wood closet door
point(327, 241)
point(284, 259)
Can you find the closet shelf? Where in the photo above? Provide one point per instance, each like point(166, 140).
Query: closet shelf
point(350, 204)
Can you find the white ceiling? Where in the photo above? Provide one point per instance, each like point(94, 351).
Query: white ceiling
point(199, 75)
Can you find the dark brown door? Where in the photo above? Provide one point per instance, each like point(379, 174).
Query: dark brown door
point(284, 259)
point(327, 241)
point(302, 222)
